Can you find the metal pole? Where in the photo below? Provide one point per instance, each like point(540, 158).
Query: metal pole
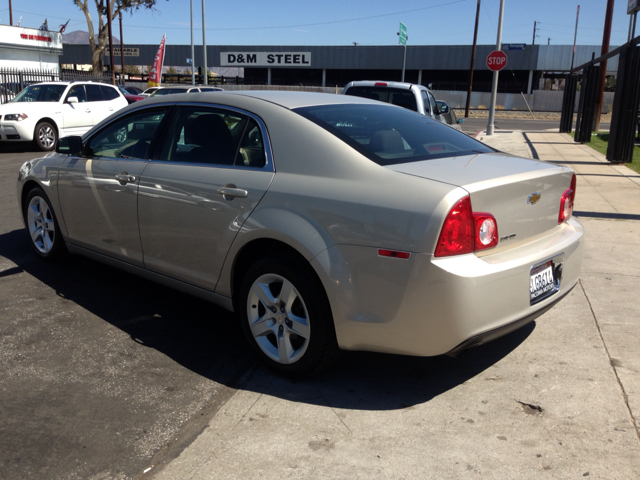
point(606, 36)
point(404, 62)
point(121, 49)
point(193, 58)
point(205, 72)
point(533, 42)
point(494, 84)
point(10, 14)
point(575, 36)
point(633, 29)
point(113, 72)
point(473, 61)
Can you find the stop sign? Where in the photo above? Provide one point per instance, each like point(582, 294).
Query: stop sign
point(496, 60)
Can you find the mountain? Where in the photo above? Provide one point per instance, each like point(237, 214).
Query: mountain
point(81, 38)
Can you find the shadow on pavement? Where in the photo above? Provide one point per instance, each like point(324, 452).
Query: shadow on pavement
point(208, 340)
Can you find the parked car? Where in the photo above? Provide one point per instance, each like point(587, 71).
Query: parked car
point(408, 95)
point(184, 89)
point(43, 112)
point(325, 222)
point(449, 115)
point(149, 91)
point(132, 90)
point(130, 97)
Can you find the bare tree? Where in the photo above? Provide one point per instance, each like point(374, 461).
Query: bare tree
point(100, 43)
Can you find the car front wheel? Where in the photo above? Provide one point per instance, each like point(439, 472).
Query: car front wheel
point(46, 136)
point(42, 225)
point(286, 316)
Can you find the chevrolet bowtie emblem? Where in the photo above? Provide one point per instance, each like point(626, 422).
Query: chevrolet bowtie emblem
point(533, 198)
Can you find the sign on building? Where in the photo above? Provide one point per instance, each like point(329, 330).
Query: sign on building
point(265, 59)
point(128, 52)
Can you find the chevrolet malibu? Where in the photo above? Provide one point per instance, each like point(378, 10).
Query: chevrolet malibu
point(326, 222)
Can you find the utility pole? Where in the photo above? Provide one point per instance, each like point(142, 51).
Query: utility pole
point(575, 35)
point(10, 14)
point(606, 36)
point(121, 50)
point(205, 70)
point(548, 40)
point(473, 61)
point(494, 83)
point(113, 71)
point(533, 42)
point(193, 58)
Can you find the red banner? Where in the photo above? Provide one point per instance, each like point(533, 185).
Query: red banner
point(155, 75)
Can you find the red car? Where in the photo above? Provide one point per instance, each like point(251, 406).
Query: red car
point(130, 98)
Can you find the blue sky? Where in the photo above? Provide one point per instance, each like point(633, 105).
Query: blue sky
point(342, 22)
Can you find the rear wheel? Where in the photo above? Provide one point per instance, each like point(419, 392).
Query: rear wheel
point(45, 136)
point(42, 225)
point(286, 316)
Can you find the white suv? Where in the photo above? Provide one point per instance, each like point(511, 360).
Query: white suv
point(44, 112)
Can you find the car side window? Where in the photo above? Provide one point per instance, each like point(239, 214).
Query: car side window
point(109, 93)
point(94, 93)
point(78, 92)
point(129, 137)
point(425, 101)
point(205, 135)
point(251, 152)
point(432, 101)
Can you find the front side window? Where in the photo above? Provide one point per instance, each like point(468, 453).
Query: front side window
point(40, 93)
point(432, 101)
point(388, 135)
point(129, 137)
point(214, 136)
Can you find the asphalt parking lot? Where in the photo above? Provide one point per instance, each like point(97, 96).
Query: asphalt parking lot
point(105, 375)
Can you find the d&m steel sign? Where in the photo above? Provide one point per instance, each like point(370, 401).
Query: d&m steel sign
point(265, 59)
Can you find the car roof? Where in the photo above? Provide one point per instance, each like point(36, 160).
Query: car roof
point(286, 99)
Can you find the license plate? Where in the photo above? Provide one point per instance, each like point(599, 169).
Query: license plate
point(543, 281)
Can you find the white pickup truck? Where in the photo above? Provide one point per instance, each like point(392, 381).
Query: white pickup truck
point(414, 97)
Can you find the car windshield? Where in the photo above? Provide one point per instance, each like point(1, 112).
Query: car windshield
point(397, 96)
point(40, 93)
point(388, 135)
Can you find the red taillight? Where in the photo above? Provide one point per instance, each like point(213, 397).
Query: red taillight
point(457, 235)
point(466, 232)
point(566, 202)
point(380, 84)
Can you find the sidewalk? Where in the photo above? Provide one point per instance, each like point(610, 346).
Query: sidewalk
point(559, 398)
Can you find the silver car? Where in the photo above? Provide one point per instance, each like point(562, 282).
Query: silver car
point(325, 222)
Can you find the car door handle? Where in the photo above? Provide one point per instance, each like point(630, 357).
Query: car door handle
point(124, 177)
point(232, 191)
point(111, 109)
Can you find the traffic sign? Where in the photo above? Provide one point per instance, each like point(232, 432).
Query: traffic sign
point(403, 34)
point(496, 60)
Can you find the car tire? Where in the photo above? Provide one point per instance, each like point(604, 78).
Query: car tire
point(42, 226)
point(294, 335)
point(45, 136)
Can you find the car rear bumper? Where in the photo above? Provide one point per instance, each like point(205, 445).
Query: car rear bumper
point(430, 306)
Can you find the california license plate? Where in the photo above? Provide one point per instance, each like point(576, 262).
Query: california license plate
point(543, 281)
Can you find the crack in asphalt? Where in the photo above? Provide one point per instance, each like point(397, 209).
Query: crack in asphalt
point(612, 363)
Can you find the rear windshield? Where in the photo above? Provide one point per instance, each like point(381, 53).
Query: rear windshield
point(388, 135)
point(396, 96)
point(40, 93)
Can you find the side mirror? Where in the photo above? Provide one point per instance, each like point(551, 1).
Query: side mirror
point(443, 108)
point(70, 145)
point(72, 100)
